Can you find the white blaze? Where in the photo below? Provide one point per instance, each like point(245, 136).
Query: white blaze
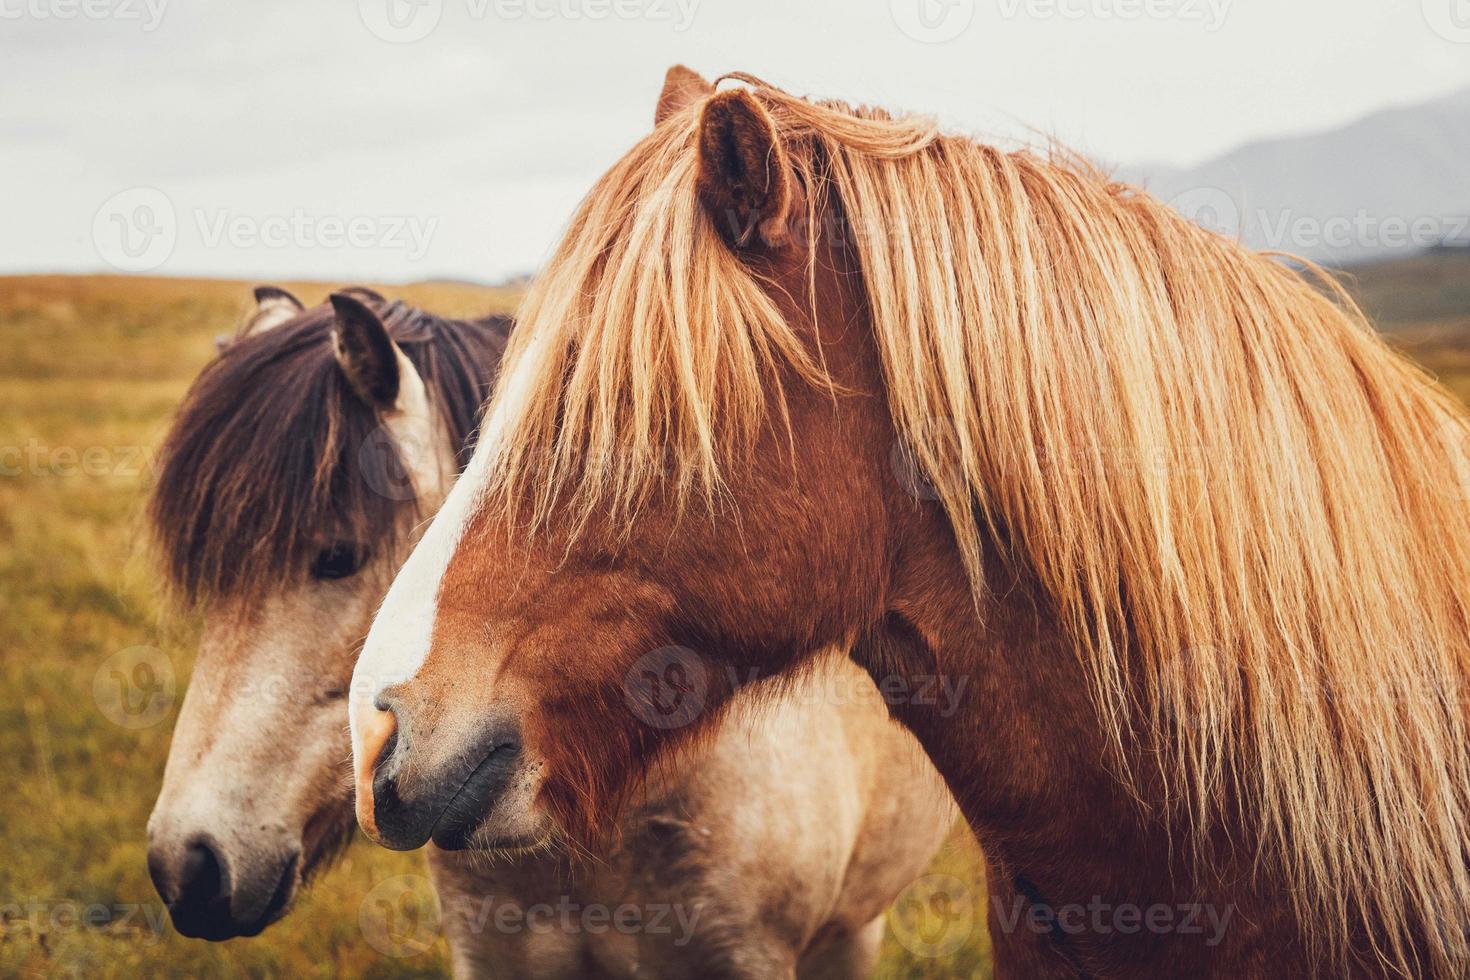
point(399, 639)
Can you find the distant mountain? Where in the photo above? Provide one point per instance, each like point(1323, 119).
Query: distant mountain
point(1391, 184)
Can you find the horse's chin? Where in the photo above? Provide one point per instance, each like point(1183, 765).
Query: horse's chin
point(515, 822)
point(494, 836)
point(281, 902)
point(481, 842)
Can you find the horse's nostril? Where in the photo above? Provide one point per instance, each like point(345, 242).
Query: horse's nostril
point(379, 732)
point(211, 896)
point(390, 747)
point(200, 876)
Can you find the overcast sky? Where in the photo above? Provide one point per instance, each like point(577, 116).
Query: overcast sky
point(400, 140)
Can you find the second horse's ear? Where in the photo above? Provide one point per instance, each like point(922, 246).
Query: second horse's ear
point(682, 88)
point(273, 307)
point(744, 179)
point(365, 353)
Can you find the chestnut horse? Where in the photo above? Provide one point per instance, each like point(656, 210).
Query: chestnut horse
point(1198, 538)
point(295, 475)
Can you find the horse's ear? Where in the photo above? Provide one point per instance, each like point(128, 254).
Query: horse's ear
point(744, 180)
point(363, 293)
point(365, 353)
point(682, 88)
point(273, 307)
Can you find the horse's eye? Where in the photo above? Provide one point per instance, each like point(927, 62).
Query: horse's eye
point(339, 560)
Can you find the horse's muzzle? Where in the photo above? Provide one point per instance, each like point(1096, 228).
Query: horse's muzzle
point(403, 801)
point(208, 898)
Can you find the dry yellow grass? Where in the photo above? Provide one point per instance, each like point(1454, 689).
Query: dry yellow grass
point(94, 367)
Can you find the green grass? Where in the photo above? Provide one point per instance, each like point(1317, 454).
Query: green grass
point(93, 368)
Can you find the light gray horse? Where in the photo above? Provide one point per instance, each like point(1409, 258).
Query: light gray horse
point(294, 478)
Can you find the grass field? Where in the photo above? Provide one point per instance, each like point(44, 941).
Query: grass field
point(93, 368)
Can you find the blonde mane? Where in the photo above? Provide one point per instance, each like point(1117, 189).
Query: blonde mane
point(1248, 512)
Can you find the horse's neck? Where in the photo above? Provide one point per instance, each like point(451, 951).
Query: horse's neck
point(1011, 686)
point(1001, 703)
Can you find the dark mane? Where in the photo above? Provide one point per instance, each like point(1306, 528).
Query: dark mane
point(271, 455)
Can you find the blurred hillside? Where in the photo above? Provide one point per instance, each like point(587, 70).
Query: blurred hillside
point(1386, 186)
